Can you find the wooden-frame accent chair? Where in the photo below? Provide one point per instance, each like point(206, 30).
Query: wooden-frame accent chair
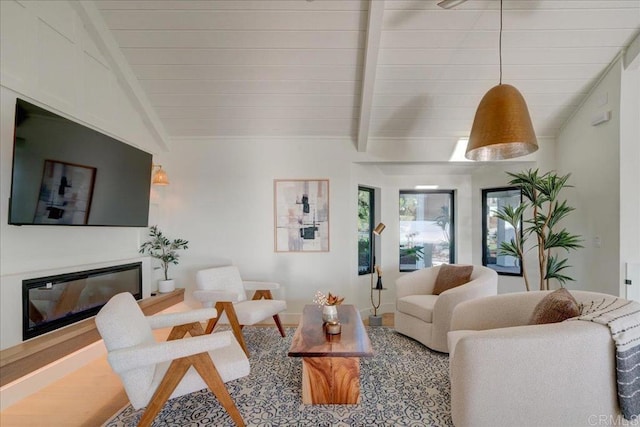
point(224, 289)
point(153, 372)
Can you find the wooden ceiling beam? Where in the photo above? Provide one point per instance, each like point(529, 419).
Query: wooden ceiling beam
point(374, 31)
point(102, 36)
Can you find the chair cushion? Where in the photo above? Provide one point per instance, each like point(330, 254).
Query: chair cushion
point(419, 306)
point(121, 323)
point(226, 279)
point(451, 276)
point(250, 312)
point(559, 305)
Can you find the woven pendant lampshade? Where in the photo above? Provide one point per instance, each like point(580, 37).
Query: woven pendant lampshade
point(502, 128)
point(160, 176)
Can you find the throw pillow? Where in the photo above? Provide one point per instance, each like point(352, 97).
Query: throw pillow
point(559, 305)
point(451, 276)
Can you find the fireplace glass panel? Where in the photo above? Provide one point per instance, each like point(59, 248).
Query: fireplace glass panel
point(56, 301)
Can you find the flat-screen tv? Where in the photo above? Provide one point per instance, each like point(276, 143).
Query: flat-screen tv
point(65, 173)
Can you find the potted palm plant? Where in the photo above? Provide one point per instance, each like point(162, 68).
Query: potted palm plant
point(166, 251)
point(542, 200)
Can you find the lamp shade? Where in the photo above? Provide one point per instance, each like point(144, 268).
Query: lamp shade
point(160, 177)
point(502, 127)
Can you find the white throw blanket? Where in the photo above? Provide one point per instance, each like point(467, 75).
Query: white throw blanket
point(623, 319)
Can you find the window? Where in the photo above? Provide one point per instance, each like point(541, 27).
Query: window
point(495, 231)
point(426, 229)
point(366, 203)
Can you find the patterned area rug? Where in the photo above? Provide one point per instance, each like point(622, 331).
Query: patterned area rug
point(404, 384)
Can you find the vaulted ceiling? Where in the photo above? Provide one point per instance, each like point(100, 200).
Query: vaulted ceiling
point(361, 69)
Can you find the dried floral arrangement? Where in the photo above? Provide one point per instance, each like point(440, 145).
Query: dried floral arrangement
point(322, 299)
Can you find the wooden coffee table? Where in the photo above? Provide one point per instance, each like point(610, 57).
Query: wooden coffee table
point(330, 363)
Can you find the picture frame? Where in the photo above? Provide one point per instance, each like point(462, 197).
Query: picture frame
point(301, 212)
point(66, 192)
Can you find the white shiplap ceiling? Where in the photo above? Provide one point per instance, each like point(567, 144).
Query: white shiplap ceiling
point(404, 69)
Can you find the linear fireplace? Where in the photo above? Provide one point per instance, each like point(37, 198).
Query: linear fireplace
point(49, 303)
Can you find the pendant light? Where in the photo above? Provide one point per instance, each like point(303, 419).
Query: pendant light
point(159, 176)
point(502, 127)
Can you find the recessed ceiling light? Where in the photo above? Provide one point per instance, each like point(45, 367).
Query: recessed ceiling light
point(426, 187)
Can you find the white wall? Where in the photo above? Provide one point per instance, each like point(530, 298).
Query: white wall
point(223, 203)
point(592, 155)
point(48, 59)
point(629, 170)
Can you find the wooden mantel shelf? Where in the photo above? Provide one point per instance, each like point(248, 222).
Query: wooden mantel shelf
point(21, 359)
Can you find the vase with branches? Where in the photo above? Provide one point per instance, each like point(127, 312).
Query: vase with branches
point(163, 249)
point(541, 194)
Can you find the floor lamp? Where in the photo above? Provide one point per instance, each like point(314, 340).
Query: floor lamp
point(375, 319)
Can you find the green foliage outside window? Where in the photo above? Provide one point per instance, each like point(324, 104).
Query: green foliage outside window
point(365, 227)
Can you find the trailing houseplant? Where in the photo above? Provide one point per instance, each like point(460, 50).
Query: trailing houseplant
point(541, 195)
point(163, 249)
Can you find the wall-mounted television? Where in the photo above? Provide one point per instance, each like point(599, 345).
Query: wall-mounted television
point(65, 173)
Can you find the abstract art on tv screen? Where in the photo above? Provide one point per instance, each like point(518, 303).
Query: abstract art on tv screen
point(301, 215)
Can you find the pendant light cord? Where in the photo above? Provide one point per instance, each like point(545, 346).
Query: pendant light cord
point(500, 42)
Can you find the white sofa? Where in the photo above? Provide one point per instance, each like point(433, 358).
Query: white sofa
point(505, 372)
point(426, 317)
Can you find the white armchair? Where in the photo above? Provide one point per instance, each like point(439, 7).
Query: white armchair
point(426, 317)
point(507, 372)
point(153, 372)
point(224, 289)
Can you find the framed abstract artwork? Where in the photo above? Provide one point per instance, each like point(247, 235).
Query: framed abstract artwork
point(301, 211)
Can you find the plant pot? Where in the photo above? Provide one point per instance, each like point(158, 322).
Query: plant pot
point(329, 313)
point(165, 286)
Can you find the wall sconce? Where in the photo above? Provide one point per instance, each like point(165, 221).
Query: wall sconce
point(159, 176)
